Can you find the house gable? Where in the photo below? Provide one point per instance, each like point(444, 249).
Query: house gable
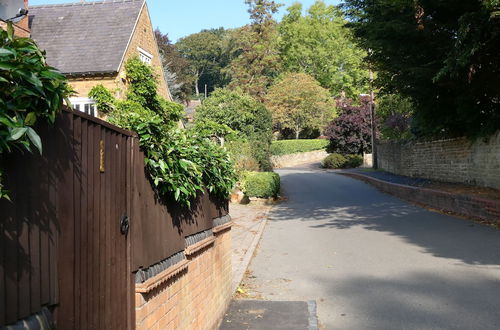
point(143, 41)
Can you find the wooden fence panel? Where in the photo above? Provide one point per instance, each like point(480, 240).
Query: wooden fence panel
point(60, 241)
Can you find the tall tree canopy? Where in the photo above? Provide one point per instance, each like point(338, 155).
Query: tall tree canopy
point(205, 51)
point(258, 61)
point(297, 101)
point(441, 53)
point(176, 68)
point(319, 44)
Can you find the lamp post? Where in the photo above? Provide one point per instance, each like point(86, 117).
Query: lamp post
point(372, 122)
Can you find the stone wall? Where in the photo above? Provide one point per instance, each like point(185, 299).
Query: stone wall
point(455, 160)
point(195, 293)
point(298, 158)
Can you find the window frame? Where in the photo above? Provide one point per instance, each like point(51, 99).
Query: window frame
point(145, 56)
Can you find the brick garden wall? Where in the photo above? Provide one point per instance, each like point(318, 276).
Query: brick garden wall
point(454, 160)
point(195, 297)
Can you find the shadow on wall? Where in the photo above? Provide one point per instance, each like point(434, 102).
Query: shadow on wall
point(335, 201)
point(419, 300)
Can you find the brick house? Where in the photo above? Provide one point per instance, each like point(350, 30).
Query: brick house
point(20, 25)
point(89, 42)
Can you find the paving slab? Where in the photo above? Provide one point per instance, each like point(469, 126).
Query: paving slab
point(267, 315)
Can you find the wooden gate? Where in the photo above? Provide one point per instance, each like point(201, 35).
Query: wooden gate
point(61, 241)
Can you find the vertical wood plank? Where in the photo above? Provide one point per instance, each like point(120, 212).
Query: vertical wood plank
point(96, 229)
point(129, 161)
point(85, 267)
point(65, 214)
point(102, 244)
point(23, 227)
point(10, 243)
point(77, 187)
point(115, 276)
point(46, 214)
point(54, 224)
point(108, 243)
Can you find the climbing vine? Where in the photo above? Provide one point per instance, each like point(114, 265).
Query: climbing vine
point(180, 163)
point(30, 90)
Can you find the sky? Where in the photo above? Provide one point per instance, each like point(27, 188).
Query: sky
point(179, 18)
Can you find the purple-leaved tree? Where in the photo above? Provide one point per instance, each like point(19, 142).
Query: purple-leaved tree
point(350, 132)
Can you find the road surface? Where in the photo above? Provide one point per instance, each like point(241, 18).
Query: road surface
point(372, 261)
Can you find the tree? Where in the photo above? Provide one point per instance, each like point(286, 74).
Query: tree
point(258, 61)
point(243, 114)
point(394, 113)
point(350, 132)
point(207, 57)
point(175, 67)
point(297, 101)
point(320, 44)
point(443, 54)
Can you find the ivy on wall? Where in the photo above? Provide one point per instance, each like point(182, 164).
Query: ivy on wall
point(180, 163)
point(30, 90)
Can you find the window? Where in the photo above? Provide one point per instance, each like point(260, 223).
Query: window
point(144, 56)
point(84, 104)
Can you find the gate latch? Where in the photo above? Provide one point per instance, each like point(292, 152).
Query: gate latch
point(124, 225)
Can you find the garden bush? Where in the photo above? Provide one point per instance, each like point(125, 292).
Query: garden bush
point(260, 184)
point(340, 161)
point(334, 161)
point(285, 147)
point(353, 161)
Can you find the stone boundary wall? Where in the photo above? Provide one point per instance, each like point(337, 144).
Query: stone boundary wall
point(464, 205)
point(195, 293)
point(455, 160)
point(298, 158)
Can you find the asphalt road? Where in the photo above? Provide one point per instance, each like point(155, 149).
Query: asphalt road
point(372, 261)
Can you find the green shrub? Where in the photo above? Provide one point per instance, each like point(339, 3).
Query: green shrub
point(242, 155)
point(260, 184)
point(334, 161)
point(285, 147)
point(340, 161)
point(353, 161)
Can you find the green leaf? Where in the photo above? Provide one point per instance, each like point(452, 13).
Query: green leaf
point(7, 66)
point(35, 139)
point(5, 52)
point(10, 31)
point(30, 119)
point(17, 133)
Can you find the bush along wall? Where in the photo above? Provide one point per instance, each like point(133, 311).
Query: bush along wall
point(338, 161)
point(260, 184)
point(286, 147)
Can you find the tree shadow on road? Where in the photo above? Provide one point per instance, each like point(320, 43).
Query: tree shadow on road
point(328, 200)
point(420, 300)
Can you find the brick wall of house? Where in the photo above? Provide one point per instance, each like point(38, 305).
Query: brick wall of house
point(21, 28)
point(195, 298)
point(143, 37)
point(454, 160)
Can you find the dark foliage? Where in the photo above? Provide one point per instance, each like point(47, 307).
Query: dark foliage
point(443, 54)
point(350, 132)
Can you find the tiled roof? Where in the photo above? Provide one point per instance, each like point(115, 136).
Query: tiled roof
point(86, 37)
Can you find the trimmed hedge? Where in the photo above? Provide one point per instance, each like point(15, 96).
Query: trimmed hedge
point(339, 161)
point(285, 147)
point(260, 184)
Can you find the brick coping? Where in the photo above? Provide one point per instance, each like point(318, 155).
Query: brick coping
point(192, 249)
point(219, 229)
point(162, 277)
point(459, 204)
